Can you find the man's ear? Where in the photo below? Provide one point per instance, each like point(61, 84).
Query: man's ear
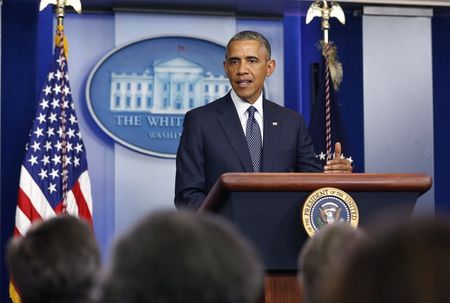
point(271, 64)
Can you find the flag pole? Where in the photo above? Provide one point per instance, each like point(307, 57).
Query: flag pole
point(321, 9)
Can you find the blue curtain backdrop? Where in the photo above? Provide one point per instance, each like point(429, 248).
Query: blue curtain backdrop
point(25, 40)
point(301, 53)
point(441, 96)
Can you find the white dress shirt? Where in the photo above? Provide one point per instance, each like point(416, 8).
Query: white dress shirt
point(242, 107)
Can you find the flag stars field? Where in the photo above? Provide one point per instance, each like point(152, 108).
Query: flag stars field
point(48, 145)
point(33, 160)
point(45, 160)
point(58, 74)
point(44, 104)
point(61, 132)
point(52, 118)
point(56, 159)
point(73, 119)
point(58, 145)
point(57, 89)
point(55, 103)
point(50, 132)
point(36, 146)
point(71, 133)
point(41, 118)
point(47, 90)
point(52, 188)
point(43, 174)
point(66, 91)
point(54, 173)
point(69, 146)
point(65, 104)
point(79, 148)
point(38, 132)
point(50, 76)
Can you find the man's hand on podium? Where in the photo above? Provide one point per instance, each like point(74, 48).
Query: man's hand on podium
point(338, 164)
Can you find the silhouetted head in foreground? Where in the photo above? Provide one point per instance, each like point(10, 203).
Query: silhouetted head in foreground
point(183, 257)
point(321, 256)
point(404, 262)
point(56, 261)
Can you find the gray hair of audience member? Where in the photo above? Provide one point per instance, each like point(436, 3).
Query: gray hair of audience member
point(251, 35)
point(181, 257)
point(56, 261)
point(402, 262)
point(320, 257)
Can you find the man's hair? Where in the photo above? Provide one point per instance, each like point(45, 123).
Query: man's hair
point(251, 35)
point(321, 254)
point(400, 262)
point(182, 257)
point(56, 261)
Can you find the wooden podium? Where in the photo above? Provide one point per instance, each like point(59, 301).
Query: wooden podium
point(267, 208)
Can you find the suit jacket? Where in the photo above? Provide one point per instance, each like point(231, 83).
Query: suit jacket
point(213, 142)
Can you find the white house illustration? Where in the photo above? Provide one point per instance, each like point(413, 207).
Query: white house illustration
point(172, 87)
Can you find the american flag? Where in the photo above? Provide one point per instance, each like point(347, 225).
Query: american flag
point(54, 178)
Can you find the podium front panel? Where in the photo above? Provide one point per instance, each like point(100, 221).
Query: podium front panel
point(273, 222)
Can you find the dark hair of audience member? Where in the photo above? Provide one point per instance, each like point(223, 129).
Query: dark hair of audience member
point(56, 261)
point(403, 262)
point(320, 256)
point(182, 257)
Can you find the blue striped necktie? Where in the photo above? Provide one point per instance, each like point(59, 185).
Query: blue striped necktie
point(254, 140)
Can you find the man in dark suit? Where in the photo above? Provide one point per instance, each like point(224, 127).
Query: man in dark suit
point(243, 131)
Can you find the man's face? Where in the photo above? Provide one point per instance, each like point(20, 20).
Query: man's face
point(247, 65)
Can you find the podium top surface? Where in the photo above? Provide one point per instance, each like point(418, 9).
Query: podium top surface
point(312, 181)
point(294, 182)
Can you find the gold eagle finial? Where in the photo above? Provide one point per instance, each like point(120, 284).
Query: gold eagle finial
point(320, 8)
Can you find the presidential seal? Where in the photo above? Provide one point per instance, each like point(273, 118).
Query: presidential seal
point(326, 206)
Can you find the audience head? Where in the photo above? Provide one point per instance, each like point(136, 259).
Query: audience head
point(57, 260)
point(321, 255)
point(404, 262)
point(182, 257)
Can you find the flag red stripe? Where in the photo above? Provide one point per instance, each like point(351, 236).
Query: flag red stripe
point(25, 205)
point(58, 208)
point(83, 209)
point(17, 232)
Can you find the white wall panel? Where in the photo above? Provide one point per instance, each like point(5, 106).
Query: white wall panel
point(398, 96)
